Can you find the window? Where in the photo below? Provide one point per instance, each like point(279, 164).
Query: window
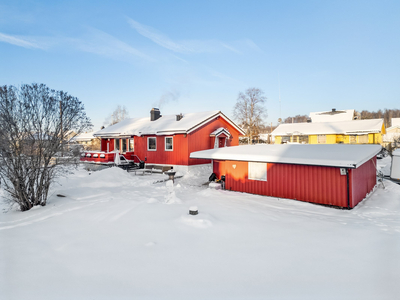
point(151, 144)
point(285, 139)
point(303, 139)
point(352, 139)
point(363, 139)
point(321, 139)
point(124, 142)
point(116, 144)
point(131, 145)
point(258, 171)
point(169, 144)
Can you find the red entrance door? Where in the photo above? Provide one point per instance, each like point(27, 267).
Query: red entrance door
point(221, 142)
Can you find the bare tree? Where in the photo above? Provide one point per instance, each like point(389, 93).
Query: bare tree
point(119, 114)
point(34, 123)
point(250, 111)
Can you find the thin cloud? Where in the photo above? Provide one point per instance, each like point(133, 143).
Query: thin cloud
point(93, 41)
point(101, 43)
point(158, 37)
point(17, 41)
point(185, 46)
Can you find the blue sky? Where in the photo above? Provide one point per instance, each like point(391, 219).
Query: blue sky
point(189, 56)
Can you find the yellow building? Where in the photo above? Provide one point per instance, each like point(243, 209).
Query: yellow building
point(345, 132)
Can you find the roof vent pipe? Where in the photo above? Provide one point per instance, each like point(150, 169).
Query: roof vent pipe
point(155, 114)
point(179, 117)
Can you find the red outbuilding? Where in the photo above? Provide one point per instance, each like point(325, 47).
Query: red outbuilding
point(165, 140)
point(337, 175)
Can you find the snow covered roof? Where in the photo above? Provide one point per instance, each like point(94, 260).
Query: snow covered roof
point(346, 127)
point(336, 155)
point(332, 116)
point(83, 137)
point(165, 125)
point(390, 136)
point(219, 131)
point(395, 122)
point(396, 152)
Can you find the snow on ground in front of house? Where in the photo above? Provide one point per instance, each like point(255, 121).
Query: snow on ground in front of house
point(119, 236)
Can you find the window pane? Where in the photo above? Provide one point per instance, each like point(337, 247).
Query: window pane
point(257, 171)
point(303, 139)
point(131, 144)
point(168, 143)
point(152, 143)
point(117, 144)
point(321, 139)
point(124, 145)
point(363, 139)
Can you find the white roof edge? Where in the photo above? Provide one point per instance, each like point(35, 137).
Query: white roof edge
point(295, 154)
point(219, 114)
point(367, 159)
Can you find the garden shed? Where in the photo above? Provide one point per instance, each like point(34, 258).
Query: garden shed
point(338, 175)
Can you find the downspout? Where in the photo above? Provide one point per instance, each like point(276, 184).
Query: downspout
point(348, 188)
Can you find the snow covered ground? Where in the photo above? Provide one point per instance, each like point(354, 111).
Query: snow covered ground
point(119, 236)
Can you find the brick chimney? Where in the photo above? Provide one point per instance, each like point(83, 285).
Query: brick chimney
point(179, 117)
point(155, 114)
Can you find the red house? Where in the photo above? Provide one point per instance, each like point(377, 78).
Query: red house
point(165, 140)
point(338, 175)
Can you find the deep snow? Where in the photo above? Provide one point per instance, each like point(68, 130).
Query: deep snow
point(119, 236)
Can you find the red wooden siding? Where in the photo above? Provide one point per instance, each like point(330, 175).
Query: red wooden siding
point(323, 185)
point(219, 168)
point(200, 138)
point(104, 143)
point(362, 181)
point(179, 155)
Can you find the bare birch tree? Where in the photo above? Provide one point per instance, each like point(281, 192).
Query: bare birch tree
point(34, 123)
point(250, 111)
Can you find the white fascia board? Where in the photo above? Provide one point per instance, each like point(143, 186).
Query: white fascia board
point(172, 132)
point(107, 135)
point(219, 114)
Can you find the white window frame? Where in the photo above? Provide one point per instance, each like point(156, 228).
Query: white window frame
point(131, 149)
point(148, 139)
point(165, 143)
point(257, 171)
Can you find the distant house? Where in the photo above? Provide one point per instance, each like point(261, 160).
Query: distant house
point(86, 139)
point(345, 132)
point(338, 175)
point(392, 133)
point(333, 116)
point(395, 122)
point(166, 140)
